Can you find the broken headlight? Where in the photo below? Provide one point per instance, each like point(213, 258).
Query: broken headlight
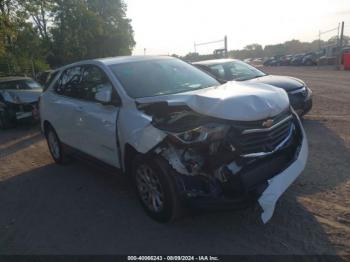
point(208, 132)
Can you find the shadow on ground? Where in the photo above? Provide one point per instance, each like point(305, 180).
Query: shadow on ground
point(328, 164)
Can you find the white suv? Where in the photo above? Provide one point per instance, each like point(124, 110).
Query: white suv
point(182, 136)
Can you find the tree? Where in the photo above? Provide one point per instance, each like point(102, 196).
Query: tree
point(40, 11)
point(90, 29)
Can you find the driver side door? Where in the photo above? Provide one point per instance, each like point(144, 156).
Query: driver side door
point(99, 131)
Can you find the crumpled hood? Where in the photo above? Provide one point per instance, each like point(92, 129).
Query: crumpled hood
point(22, 96)
point(242, 101)
point(285, 82)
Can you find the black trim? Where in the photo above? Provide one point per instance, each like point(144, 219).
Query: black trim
point(76, 153)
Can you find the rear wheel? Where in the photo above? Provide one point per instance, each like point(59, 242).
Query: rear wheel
point(54, 145)
point(156, 188)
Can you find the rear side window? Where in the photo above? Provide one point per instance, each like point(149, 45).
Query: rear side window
point(69, 83)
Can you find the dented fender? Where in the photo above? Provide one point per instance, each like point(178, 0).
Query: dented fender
point(135, 128)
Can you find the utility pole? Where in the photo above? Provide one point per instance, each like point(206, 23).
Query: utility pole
point(340, 47)
point(225, 42)
point(195, 47)
point(319, 47)
point(144, 51)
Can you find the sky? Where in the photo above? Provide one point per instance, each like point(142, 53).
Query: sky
point(173, 26)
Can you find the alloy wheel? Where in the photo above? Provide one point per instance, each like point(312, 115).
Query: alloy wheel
point(149, 188)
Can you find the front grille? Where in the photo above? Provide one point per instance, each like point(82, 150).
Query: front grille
point(256, 141)
point(244, 125)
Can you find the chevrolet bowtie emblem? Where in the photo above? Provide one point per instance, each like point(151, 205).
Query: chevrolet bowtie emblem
point(267, 123)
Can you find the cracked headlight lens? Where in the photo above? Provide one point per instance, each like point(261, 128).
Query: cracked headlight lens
point(208, 132)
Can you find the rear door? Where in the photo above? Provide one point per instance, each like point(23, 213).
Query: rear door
point(63, 107)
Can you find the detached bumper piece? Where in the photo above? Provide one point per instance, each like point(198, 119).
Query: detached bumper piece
point(252, 177)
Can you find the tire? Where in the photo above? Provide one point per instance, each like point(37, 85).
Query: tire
point(55, 145)
point(156, 188)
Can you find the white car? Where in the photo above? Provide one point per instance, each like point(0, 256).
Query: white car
point(18, 100)
point(185, 139)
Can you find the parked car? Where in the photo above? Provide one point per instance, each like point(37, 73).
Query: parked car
point(272, 61)
point(285, 60)
point(18, 100)
point(181, 135)
point(297, 60)
point(300, 95)
point(309, 59)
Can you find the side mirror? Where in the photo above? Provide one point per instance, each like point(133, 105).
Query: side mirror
point(104, 95)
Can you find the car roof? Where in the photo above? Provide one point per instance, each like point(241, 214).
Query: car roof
point(13, 78)
point(114, 60)
point(128, 59)
point(214, 61)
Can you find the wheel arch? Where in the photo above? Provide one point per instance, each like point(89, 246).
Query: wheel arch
point(129, 155)
point(46, 125)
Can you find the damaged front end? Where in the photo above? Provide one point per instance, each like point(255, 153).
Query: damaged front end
point(17, 108)
point(230, 164)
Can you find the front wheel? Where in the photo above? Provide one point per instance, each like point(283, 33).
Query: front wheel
point(156, 188)
point(54, 145)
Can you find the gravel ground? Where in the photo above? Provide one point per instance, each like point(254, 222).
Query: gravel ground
point(82, 209)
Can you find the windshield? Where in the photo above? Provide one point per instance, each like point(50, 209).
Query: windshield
point(160, 77)
point(32, 84)
point(235, 70)
point(19, 84)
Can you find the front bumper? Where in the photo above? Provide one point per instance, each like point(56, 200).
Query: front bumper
point(279, 184)
point(24, 111)
point(263, 181)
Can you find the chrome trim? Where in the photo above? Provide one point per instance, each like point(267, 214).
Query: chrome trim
point(249, 131)
point(278, 147)
point(300, 90)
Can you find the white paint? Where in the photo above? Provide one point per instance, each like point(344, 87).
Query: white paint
point(232, 101)
point(279, 184)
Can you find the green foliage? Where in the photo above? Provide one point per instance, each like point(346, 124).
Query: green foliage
point(37, 34)
point(90, 29)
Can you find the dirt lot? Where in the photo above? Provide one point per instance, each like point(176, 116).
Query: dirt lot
point(81, 209)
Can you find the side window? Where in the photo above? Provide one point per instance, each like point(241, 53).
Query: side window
point(69, 83)
point(93, 80)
